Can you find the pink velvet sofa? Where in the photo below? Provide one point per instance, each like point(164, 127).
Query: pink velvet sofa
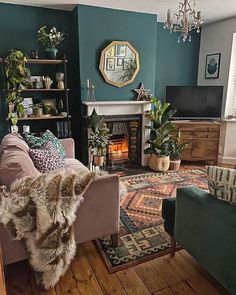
point(98, 215)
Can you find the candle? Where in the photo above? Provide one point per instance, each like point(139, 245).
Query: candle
point(87, 83)
point(26, 129)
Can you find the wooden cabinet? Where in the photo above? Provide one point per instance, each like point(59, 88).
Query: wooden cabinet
point(202, 138)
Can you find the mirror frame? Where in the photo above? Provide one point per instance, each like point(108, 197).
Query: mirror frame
point(102, 62)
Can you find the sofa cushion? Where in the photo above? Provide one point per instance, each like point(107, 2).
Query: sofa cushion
point(222, 183)
point(36, 142)
point(47, 158)
point(15, 160)
point(75, 165)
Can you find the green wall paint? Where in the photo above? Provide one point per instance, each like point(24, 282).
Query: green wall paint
point(18, 29)
point(176, 63)
point(97, 28)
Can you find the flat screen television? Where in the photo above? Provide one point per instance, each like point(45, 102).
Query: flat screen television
point(195, 102)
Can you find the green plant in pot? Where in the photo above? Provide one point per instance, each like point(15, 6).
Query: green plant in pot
point(50, 40)
point(37, 109)
point(176, 149)
point(99, 137)
point(161, 127)
point(18, 78)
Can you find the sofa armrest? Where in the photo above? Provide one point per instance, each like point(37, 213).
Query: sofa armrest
point(69, 146)
point(99, 213)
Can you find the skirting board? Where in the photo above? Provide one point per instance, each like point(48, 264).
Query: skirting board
point(227, 160)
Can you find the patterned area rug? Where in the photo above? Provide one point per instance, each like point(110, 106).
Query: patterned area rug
point(142, 236)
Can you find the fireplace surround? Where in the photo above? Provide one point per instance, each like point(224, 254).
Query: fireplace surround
point(122, 110)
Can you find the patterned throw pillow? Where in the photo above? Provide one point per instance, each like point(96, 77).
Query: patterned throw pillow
point(222, 183)
point(36, 142)
point(47, 159)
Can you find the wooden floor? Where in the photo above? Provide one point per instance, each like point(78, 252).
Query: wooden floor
point(88, 275)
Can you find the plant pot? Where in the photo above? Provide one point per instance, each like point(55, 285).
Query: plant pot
point(38, 112)
point(159, 163)
point(98, 161)
point(175, 164)
point(52, 52)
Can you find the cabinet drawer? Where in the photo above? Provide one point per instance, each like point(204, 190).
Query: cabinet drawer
point(214, 134)
point(204, 148)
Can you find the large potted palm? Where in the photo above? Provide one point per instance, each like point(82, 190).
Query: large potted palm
point(159, 142)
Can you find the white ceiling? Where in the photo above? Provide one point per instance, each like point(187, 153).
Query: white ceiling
point(212, 10)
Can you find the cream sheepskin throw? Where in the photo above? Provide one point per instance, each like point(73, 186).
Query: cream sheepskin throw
point(40, 211)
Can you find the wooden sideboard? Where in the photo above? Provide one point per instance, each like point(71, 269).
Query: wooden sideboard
point(202, 137)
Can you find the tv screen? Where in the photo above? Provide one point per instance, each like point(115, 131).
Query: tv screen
point(195, 101)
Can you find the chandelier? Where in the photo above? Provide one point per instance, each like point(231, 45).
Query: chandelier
point(186, 20)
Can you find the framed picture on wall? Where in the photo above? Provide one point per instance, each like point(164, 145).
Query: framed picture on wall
point(110, 64)
point(212, 67)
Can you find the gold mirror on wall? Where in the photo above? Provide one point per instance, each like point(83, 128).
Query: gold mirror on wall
point(119, 63)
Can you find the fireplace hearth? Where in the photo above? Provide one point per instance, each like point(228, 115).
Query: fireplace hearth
point(125, 141)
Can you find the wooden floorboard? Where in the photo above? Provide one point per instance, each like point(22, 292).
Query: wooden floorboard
point(88, 275)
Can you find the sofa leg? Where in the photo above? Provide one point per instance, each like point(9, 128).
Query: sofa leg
point(172, 246)
point(114, 240)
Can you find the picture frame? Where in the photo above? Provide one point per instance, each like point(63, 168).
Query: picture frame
point(120, 50)
point(120, 62)
point(110, 64)
point(28, 105)
point(39, 79)
point(212, 66)
point(126, 63)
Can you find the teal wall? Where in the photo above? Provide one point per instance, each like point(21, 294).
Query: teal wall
point(97, 28)
point(18, 29)
point(176, 63)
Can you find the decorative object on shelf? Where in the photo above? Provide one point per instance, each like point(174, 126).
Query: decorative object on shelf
point(176, 149)
point(50, 40)
point(60, 105)
point(26, 129)
point(47, 82)
point(90, 92)
point(36, 82)
point(212, 67)
point(185, 20)
point(142, 92)
point(37, 109)
point(13, 117)
point(34, 54)
point(119, 63)
point(60, 80)
point(159, 149)
point(18, 78)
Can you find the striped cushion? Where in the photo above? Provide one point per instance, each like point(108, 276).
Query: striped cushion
point(222, 183)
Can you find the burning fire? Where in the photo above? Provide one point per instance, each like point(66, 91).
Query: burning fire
point(118, 148)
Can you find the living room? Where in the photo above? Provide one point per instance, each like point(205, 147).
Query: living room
point(160, 228)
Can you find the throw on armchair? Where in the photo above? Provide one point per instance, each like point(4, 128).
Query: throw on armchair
point(205, 227)
point(97, 216)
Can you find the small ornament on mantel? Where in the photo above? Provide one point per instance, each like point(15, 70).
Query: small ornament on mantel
point(142, 92)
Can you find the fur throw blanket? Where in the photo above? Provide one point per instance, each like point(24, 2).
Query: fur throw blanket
point(40, 211)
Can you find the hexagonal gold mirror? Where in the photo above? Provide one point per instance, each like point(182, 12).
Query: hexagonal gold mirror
point(119, 63)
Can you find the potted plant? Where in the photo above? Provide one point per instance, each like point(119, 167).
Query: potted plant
point(98, 141)
point(50, 40)
point(176, 149)
point(159, 149)
point(18, 78)
point(37, 109)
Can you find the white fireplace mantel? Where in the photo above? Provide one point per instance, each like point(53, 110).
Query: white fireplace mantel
point(109, 108)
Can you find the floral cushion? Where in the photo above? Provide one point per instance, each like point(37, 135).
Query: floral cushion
point(222, 183)
point(47, 159)
point(36, 142)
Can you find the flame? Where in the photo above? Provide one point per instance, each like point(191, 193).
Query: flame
point(119, 149)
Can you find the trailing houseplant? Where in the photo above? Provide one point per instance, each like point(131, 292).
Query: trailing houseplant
point(176, 149)
point(159, 142)
point(50, 39)
point(18, 78)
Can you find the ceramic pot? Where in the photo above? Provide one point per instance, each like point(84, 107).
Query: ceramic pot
point(175, 164)
point(159, 163)
point(52, 52)
point(38, 112)
point(98, 161)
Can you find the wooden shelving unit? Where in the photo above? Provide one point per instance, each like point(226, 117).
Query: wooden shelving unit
point(62, 93)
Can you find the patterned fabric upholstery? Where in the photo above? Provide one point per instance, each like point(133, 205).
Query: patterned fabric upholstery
point(35, 142)
point(47, 159)
point(222, 183)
